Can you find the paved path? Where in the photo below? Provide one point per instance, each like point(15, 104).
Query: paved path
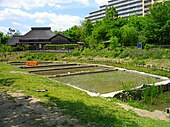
point(158, 115)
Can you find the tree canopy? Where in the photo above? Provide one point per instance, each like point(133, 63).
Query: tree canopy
point(154, 28)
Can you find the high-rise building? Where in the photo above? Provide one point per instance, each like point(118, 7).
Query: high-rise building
point(124, 8)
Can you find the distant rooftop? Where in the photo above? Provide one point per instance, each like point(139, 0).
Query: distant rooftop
point(41, 28)
point(38, 33)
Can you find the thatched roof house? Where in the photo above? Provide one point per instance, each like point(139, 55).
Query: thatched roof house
point(14, 40)
point(60, 39)
point(38, 37)
point(37, 34)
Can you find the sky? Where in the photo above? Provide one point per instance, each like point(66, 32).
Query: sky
point(60, 15)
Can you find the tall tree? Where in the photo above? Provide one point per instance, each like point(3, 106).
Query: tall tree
point(129, 36)
point(4, 38)
point(111, 14)
point(73, 33)
point(159, 23)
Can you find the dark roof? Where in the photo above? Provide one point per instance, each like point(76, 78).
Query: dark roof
point(14, 40)
point(38, 33)
point(59, 34)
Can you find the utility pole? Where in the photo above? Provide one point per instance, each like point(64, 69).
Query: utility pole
point(143, 7)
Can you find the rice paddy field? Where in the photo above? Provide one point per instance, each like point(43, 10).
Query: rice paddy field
point(108, 81)
point(103, 82)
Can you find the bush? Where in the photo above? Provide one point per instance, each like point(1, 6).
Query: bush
point(60, 46)
point(76, 52)
point(148, 46)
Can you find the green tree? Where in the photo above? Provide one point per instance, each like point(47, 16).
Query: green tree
point(114, 42)
point(159, 23)
point(87, 28)
point(111, 14)
point(86, 31)
point(99, 33)
point(4, 38)
point(56, 32)
point(129, 36)
point(92, 43)
point(138, 22)
point(1, 35)
point(73, 33)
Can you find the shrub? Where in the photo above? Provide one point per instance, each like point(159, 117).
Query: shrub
point(148, 46)
point(76, 52)
point(60, 46)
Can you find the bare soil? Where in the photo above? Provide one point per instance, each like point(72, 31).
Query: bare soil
point(18, 110)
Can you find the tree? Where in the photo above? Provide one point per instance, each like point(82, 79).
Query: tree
point(99, 33)
point(114, 42)
point(138, 22)
point(92, 43)
point(17, 32)
point(73, 33)
point(129, 36)
point(4, 38)
point(158, 23)
point(111, 14)
point(56, 32)
point(87, 28)
point(86, 31)
point(1, 35)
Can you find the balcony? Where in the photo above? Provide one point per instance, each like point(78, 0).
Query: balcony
point(129, 6)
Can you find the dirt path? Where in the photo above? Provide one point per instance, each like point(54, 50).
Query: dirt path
point(158, 115)
point(17, 110)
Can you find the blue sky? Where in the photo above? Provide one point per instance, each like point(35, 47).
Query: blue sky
point(58, 14)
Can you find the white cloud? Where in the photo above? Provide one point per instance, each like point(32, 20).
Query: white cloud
point(28, 4)
point(101, 2)
point(16, 23)
point(4, 29)
point(39, 21)
point(53, 19)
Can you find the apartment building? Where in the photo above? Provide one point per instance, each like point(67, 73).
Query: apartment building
point(124, 8)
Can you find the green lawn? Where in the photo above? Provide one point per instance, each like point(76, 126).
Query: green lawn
point(108, 81)
point(76, 103)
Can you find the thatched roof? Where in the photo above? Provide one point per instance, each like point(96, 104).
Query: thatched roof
point(59, 34)
point(14, 40)
point(38, 34)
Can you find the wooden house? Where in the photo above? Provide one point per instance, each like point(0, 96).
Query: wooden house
point(38, 37)
point(14, 41)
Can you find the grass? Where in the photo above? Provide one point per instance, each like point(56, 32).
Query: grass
point(77, 104)
point(108, 81)
point(162, 101)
